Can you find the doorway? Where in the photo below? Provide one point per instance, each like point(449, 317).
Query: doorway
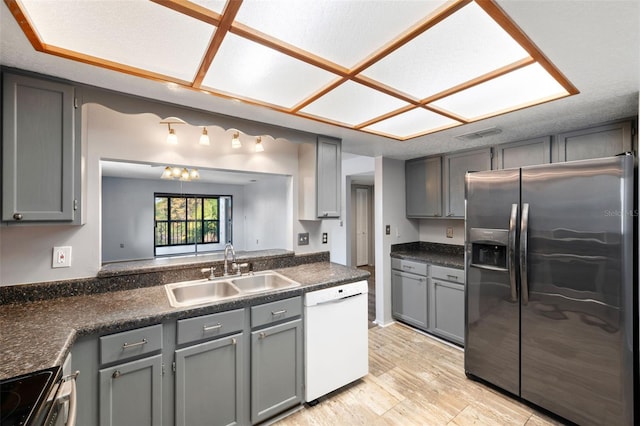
point(362, 237)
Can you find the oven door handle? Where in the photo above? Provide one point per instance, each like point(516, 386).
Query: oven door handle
point(68, 392)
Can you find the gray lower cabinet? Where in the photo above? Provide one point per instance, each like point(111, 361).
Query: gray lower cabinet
point(446, 307)
point(209, 382)
point(409, 298)
point(40, 150)
point(131, 393)
point(455, 167)
point(276, 369)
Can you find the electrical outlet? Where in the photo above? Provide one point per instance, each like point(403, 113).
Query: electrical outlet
point(387, 229)
point(449, 232)
point(61, 257)
point(325, 238)
point(303, 239)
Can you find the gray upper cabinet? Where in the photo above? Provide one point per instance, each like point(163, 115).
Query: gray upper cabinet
point(455, 167)
point(524, 153)
point(594, 142)
point(423, 183)
point(329, 164)
point(319, 174)
point(39, 163)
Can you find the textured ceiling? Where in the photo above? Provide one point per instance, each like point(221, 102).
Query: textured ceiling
point(581, 38)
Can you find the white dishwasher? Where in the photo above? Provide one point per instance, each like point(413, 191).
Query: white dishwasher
point(336, 338)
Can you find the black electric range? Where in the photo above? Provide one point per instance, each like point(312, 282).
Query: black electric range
point(23, 399)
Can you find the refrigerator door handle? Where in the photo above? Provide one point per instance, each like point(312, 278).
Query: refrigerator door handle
point(512, 251)
point(524, 230)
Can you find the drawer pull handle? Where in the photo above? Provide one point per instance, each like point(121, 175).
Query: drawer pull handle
point(211, 327)
point(234, 341)
point(452, 277)
point(133, 345)
point(263, 335)
point(116, 374)
point(276, 313)
point(407, 267)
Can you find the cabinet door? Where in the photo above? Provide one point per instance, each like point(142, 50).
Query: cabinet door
point(276, 369)
point(329, 169)
point(594, 142)
point(409, 295)
point(38, 150)
point(131, 393)
point(456, 166)
point(524, 153)
point(209, 383)
point(423, 186)
point(446, 310)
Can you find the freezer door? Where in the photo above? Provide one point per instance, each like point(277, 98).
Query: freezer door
point(491, 298)
point(576, 324)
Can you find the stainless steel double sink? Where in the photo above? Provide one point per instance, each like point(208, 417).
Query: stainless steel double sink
point(197, 292)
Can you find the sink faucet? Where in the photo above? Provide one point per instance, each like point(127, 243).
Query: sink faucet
point(229, 248)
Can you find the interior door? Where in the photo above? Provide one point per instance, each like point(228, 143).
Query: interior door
point(362, 226)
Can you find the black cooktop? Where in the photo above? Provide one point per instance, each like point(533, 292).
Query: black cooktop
point(22, 397)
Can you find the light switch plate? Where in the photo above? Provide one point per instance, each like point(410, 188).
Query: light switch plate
point(449, 232)
point(61, 257)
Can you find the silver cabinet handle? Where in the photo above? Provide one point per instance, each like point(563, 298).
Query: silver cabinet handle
point(452, 277)
point(262, 335)
point(524, 232)
point(133, 345)
point(17, 216)
point(211, 327)
point(116, 374)
point(449, 214)
point(276, 313)
point(234, 341)
point(511, 252)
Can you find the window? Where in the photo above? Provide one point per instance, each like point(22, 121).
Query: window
point(191, 223)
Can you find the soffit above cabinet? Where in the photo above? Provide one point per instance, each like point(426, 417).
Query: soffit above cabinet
point(399, 69)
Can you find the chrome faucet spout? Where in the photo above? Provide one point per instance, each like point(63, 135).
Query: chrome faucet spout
point(228, 248)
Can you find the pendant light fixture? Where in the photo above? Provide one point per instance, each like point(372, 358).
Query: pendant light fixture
point(235, 141)
point(172, 138)
point(204, 137)
point(180, 173)
point(259, 146)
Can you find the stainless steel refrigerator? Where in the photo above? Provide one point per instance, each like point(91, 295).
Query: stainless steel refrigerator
point(550, 310)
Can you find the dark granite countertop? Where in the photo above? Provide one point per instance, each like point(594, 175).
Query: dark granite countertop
point(448, 255)
point(39, 334)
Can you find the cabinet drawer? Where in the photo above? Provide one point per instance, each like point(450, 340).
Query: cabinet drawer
point(447, 274)
point(129, 344)
point(275, 311)
point(209, 326)
point(418, 268)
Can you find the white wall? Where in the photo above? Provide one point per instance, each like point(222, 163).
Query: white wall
point(435, 231)
point(265, 217)
point(389, 210)
point(119, 127)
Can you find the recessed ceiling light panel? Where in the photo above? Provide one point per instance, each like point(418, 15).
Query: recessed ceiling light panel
point(352, 103)
point(464, 46)
point(418, 121)
point(253, 71)
point(524, 87)
point(344, 32)
point(139, 34)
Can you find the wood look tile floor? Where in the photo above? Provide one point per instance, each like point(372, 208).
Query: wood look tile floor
point(415, 380)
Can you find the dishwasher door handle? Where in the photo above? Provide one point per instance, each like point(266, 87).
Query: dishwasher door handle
point(342, 299)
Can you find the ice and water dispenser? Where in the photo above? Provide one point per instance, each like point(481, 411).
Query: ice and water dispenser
point(489, 248)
